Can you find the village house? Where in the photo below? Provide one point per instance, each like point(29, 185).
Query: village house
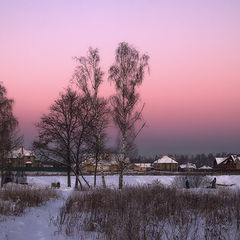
point(205, 167)
point(105, 166)
point(187, 167)
point(108, 164)
point(140, 167)
point(21, 158)
point(230, 162)
point(166, 163)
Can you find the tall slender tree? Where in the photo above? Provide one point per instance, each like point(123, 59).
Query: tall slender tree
point(8, 126)
point(88, 76)
point(127, 73)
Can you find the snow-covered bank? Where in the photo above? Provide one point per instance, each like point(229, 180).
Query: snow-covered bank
point(112, 181)
point(37, 223)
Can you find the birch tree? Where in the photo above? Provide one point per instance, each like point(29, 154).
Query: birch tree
point(127, 74)
point(88, 76)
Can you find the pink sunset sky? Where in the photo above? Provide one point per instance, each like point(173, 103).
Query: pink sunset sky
point(192, 93)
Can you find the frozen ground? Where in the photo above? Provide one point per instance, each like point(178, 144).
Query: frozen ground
point(112, 181)
point(37, 222)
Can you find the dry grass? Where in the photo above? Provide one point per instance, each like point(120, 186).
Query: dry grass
point(195, 181)
point(14, 199)
point(152, 212)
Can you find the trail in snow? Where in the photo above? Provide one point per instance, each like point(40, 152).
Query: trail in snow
point(35, 223)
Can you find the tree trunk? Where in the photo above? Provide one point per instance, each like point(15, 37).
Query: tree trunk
point(98, 155)
point(3, 165)
point(2, 177)
point(95, 172)
point(120, 185)
point(122, 161)
point(103, 179)
point(69, 177)
point(85, 180)
point(76, 181)
point(76, 177)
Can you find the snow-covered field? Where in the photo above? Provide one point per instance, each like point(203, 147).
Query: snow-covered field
point(112, 181)
point(37, 222)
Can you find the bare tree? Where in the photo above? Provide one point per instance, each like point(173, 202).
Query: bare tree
point(8, 126)
point(63, 130)
point(88, 76)
point(81, 152)
point(127, 74)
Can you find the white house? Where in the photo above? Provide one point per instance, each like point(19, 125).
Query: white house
point(166, 163)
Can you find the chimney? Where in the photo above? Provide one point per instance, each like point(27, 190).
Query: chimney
point(22, 150)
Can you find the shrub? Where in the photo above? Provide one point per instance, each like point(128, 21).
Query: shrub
point(14, 198)
point(195, 181)
point(151, 212)
point(55, 185)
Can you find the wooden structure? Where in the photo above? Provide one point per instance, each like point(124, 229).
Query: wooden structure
point(230, 162)
point(140, 167)
point(108, 164)
point(21, 158)
point(166, 163)
point(188, 167)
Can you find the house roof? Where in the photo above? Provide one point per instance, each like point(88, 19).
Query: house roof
point(234, 157)
point(188, 166)
point(107, 163)
point(28, 162)
point(102, 162)
point(165, 159)
point(220, 159)
point(205, 167)
point(21, 152)
point(143, 164)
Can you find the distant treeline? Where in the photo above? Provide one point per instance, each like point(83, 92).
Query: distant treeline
point(198, 159)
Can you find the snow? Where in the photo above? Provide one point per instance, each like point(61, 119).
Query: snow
point(188, 166)
point(165, 159)
point(220, 160)
point(147, 165)
point(205, 167)
point(234, 157)
point(111, 181)
point(37, 223)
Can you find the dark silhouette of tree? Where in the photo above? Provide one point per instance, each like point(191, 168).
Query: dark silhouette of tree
point(62, 132)
point(8, 130)
point(127, 73)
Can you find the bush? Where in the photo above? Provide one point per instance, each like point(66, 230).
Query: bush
point(195, 181)
point(14, 198)
point(55, 185)
point(151, 212)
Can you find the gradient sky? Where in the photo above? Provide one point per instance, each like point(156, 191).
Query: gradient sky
point(192, 93)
